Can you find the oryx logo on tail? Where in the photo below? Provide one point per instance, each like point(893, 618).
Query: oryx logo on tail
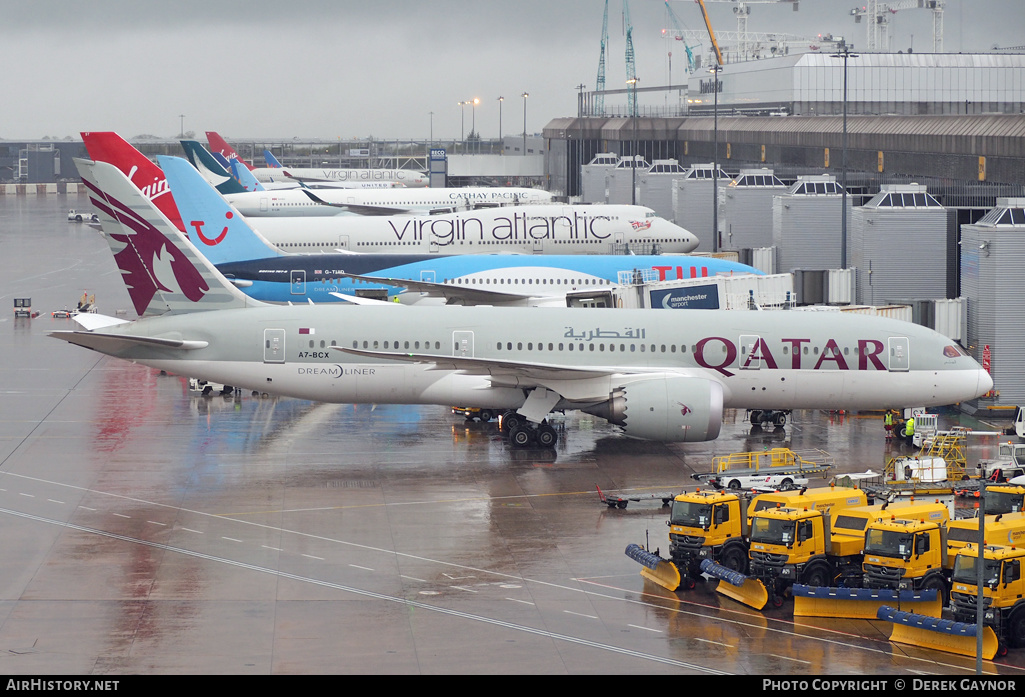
point(149, 262)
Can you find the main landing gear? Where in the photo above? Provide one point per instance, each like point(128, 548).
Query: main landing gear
point(521, 433)
point(776, 418)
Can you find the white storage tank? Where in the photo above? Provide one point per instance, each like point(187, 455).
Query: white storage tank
point(806, 224)
point(692, 202)
point(594, 177)
point(993, 284)
point(745, 217)
point(902, 243)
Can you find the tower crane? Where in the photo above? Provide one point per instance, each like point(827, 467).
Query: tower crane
point(679, 34)
point(879, 14)
point(631, 68)
point(599, 84)
point(742, 10)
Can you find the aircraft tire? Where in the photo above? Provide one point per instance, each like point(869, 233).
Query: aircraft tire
point(520, 436)
point(546, 436)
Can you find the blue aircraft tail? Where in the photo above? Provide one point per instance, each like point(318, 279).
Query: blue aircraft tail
point(271, 161)
point(210, 168)
point(214, 226)
point(244, 176)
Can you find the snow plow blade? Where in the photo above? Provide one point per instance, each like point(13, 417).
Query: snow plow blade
point(941, 635)
point(861, 603)
point(733, 584)
point(655, 568)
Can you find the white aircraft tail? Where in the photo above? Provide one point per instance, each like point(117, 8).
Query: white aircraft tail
point(163, 272)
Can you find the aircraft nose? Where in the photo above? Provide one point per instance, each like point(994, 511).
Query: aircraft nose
point(985, 381)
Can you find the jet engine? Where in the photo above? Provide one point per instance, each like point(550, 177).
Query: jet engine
point(666, 408)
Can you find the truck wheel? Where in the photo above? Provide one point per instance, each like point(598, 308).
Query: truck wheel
point(1016, 629)
point(937, 583)
point(776, 600)
point(735, 559)
point(818, 575)
point(485, 416)
point(786, 483)
point(734, 484)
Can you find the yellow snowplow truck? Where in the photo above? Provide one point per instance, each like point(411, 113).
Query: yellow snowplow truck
point(908, 551)
point(794, 545)
point(1001, 529)
point(1003, 601)
point(707, 525)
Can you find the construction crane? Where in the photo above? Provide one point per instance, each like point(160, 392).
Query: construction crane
point(742, 10)
point(879, 14)
point(599, 84)
point(711, 33)
point(631, 68)
point(679, 34)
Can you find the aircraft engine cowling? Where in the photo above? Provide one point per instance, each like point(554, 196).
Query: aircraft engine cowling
point(667, 409)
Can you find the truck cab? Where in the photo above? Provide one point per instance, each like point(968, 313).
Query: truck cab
point(1003, 591)
point(707, 525)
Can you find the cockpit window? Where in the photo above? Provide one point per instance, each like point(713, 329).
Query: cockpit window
point(953, 351)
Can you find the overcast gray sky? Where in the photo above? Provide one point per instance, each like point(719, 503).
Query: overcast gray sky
point(341, 68)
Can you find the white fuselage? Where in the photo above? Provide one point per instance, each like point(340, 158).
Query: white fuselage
point(768, 359)
point(408, 177)
point(529, 229)
point(293, 202)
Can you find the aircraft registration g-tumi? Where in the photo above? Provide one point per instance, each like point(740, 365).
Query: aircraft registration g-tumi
point(663, 376)
point(265, 273)
point(406, 177)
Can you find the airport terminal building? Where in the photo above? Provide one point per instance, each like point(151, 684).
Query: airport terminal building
point(933, 142)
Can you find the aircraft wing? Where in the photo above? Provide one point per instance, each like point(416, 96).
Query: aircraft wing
point(506, 372)
point(357, 208)
point(454, 295)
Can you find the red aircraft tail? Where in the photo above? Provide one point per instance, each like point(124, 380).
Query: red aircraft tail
point(109, 147)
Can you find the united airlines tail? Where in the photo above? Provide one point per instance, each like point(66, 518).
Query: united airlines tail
point(109, 147)
point(210, 168)
point(163, 272)
point(213, 225)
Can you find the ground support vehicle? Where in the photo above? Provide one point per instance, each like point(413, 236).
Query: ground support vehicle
point(1003, 592)
point(614, 500)
point(471, 413)
point(1001, 529)
point(783, 468)
point(82, 216)
point(208, 388)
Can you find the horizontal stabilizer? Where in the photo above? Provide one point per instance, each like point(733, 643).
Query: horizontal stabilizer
point(91, 320)
point(357, 300)
point(112, 344)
